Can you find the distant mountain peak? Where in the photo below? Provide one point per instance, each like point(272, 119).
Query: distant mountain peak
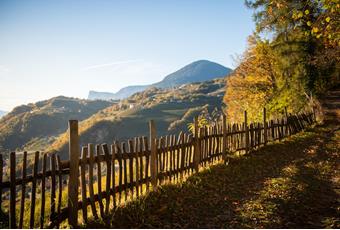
point(197, 71)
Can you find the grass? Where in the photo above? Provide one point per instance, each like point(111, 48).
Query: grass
point(292, 184)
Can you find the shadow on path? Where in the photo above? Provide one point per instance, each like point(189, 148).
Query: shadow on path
point(288, 184)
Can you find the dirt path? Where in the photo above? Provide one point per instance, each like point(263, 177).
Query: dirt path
point(293, 184)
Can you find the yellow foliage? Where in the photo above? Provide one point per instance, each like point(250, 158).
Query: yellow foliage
point(252, 83)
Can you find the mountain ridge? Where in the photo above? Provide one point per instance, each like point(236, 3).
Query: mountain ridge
point(198, 71)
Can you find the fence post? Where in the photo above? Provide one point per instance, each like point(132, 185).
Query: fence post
point(153, 149)
point(246, 130)
point(265, 134)
point(74, 152)
point(196, 146)
point(224, 132)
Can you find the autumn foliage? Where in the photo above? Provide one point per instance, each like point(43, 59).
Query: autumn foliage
point(291, 59)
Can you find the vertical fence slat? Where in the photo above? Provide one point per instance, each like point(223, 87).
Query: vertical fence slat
point(42, 208)
point(183, 155)
point(141, 164)
point(246, 131)
point(113, 159)
point(170, 150)
point(196, 146)
point(147, 160)
point(130, 154)
point(12, 222)
point(120, 172)
point(34, 187)
point(153, 148)
point(60, 190)
point(124, 155)
point(23, 189)
point(108, 176)
point(136, 147)
point(179, 152)
point(53, 185)
point(99, 181)
point(83, 182)
point(91, 181)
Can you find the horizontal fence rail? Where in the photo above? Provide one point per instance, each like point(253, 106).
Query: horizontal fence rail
point(46, 191)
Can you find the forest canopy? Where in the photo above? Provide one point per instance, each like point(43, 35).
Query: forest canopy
point(291, 59)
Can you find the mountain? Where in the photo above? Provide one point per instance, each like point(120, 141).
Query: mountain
point(37, 123)
point(2, 113)
point(197, 71)
point(171, 109)
point(121, 94)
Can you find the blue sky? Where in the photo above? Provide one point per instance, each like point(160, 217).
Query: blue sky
point(65, 47)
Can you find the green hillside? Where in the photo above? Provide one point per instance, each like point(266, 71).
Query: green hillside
point(34, 125)
point(172, 110)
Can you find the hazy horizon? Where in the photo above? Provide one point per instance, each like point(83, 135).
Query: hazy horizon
point(67, 48)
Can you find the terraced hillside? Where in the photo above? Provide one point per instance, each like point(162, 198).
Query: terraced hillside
point(172, 110)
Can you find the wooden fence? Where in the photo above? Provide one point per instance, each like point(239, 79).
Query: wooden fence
point(98, 178)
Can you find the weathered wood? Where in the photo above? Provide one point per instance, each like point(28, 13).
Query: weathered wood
point(136, 168)
point(34, 188)
point(251, 140)
point(173, 156)
point(171, 153)
point(141, 163)
point(183, 155)
point(163, 154)
point(83, 182)
point(42, 208)
point(224, 142)
point(191, 152)
point(12, 199)
point(120, 171)
point(124, 153)
point(166, 156)
point(23, 187)
point(108, 177)
point(196, 146)
point(113, 163)
point(131, 151)
point(147, 162)
point(246, 131)
point(91, 181)
point(60, 190)
point(161, 158)
point(265, 136)
point(178, 155)
point(272, 129)
point(53, 185)
point(74, 153)
point(99, 181)
point(282, 128)
point(153, 148)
